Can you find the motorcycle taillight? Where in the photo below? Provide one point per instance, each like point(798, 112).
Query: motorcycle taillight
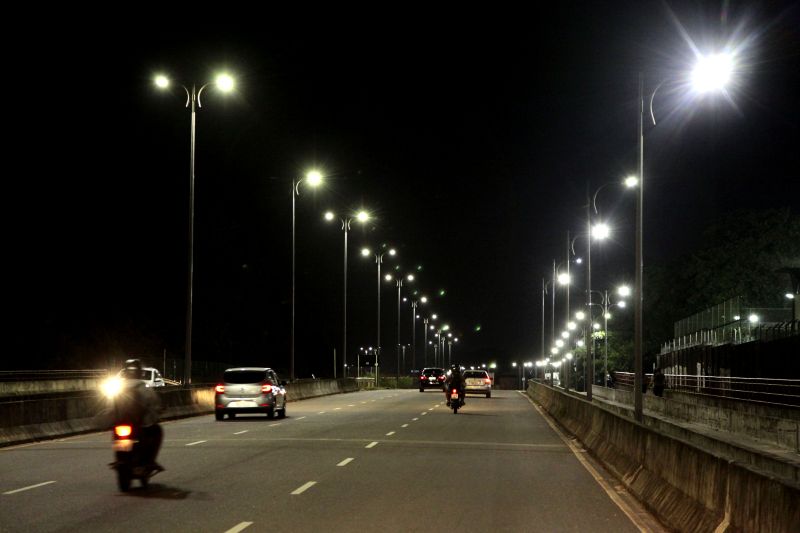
point(123, 431)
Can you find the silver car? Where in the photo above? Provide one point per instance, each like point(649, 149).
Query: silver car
point(478, 382)
point(250, 390)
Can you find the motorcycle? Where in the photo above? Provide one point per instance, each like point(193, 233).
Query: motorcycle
point(455, 400)
point(133, 445)
point(131, 449)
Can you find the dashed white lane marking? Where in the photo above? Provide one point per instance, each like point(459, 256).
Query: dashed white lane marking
point(239, 527)
point(343, 463)
point(372, 400)
point(321, 413)
point(302, 417)
point(275, 424)
point(198, 442)
point(301, 489)
point(240, 432)
point(363, 402)
point(31, 487)
point(351, 405)
point(414, 419)
point(390, 434)
point(431, 409)
point(424, 413)
point(371, 444)
point(338, 409)
point(404, 426)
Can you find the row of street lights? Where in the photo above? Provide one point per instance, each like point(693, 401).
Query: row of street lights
point(712, 73)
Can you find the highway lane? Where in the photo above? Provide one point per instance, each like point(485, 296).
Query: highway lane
point(368, 461)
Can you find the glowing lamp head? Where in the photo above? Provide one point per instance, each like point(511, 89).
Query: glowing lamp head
point(362, 216)
point(564, 278)
point(329, 216)
point(224, 83)
point(161, 81)
point(631, 182)
point(712, 72)
point(365, 252)
point(314, 178)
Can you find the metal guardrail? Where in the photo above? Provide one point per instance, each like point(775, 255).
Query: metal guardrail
point(773, 391)
point(737, 332)
point(42, 375)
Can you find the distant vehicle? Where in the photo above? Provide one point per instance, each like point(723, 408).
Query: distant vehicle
point(478, 382)
point(250, 390)
point(151, 377)
point(431, 378)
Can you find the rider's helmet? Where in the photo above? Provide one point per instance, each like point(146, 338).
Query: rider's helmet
point(455, 368)
point(133, 369)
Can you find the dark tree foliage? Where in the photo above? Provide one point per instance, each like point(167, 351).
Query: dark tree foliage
point(741, 256)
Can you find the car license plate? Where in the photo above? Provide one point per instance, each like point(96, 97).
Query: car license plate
point(473, 382)
point(243, 403)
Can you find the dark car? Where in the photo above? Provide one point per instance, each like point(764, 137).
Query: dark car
point(250, 390)
point(431, 378)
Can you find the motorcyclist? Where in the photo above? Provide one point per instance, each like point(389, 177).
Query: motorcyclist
point(455, 380)
point(141, 406)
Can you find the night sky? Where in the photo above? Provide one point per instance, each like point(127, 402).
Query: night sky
point(470, 136)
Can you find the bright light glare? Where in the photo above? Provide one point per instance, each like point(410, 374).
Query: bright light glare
point(111, 387)
point(571, 326)
point(410, 277)
point(329, 215)
point(631, 182)
point(753, 318)
point(365, 252)
point(434, 316)
point(564, 278)
point(161, 81)
point(362, 216)
point(224, 83)
point(553, 351)
point(314, 178)
point(621, 305)
point(424, 299)
point(600, 231)
point(579, 260)
point(580, 315)
point(392, 251)
point(790, 295)
point(559, 343)
point(388, 277)
point(596, 326)
point(565, 334)
point(712, 72)
point(514, 365)
point(607, 316)
point(580, 344)
point(569, 355)
point(624, 290)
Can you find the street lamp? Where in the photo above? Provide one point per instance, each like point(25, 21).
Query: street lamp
point(365, 252)
point(362, 217)
point(605, 306)
point(711, 73)
point(423, 300)
point(224, 83)
point(313, 179)
point(399, 283)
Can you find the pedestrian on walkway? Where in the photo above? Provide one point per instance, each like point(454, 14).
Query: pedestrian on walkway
point(659, 381)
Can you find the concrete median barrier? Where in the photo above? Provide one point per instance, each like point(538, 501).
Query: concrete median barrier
point(50, 416)
point(688, 488)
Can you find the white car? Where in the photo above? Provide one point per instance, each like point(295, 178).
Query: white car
point(478, 382)
point(152, 377)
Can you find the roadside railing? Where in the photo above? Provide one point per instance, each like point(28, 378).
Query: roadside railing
point(762, 390)
point(42, 375)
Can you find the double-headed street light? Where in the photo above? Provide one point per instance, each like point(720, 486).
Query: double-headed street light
point(362, 217)
point(224, 83)
point(399, 282)
point(605, 306)
point(313, 178)
point(711, 73)
point(366, 252)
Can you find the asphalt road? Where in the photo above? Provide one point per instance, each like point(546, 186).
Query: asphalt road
point(368, 461)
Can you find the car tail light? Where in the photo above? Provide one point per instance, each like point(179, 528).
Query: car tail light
point(123, 431)
point(488, 381)
point(422, 378)
point(266, 389)
point(220, 389)
point(441, 378)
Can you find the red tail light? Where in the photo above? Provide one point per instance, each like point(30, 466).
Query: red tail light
point(488, 381)
point(266, 389)
point(441, 378)
point(220, 389)
point(123, 431)
point(422, 378)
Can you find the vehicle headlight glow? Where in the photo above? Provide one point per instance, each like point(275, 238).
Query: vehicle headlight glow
point(111, 387)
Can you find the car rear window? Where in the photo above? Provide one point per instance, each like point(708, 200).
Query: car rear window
point(245, 376)
point(475, 374)
point(432, 372)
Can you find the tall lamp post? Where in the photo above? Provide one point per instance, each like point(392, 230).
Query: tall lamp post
point(414, 303)
point(711, 73)
point(312, 178)
point(225, 84)
point(365, 252)
point(361, 216)
point(399, 283)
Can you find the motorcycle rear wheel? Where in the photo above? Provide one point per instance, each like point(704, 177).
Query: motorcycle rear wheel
point(124, 476)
